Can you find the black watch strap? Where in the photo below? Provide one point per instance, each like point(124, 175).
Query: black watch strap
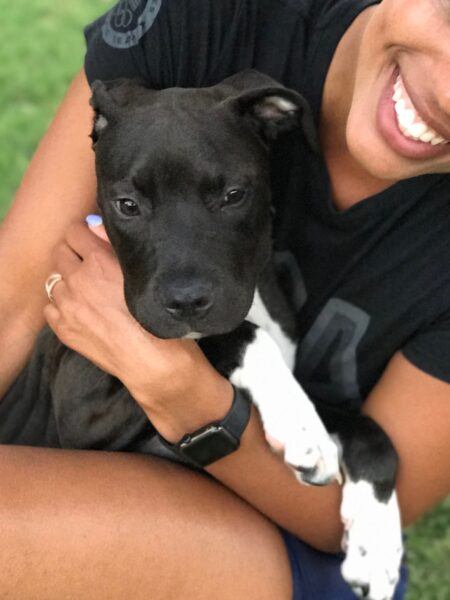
point(237, 418)
point(218, 439)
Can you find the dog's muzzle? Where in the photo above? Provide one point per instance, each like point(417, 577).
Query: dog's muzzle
point(187, 301)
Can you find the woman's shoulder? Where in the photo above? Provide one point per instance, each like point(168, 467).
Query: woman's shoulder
point(196, 42)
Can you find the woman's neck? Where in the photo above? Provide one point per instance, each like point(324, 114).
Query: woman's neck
point(350, 182)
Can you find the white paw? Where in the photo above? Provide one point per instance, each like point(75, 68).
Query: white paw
point(305, 444)
point(372, 541)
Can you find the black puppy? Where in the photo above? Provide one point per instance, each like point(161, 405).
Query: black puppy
point(184, 189)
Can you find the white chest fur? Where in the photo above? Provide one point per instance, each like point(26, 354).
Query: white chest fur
point(259, 315)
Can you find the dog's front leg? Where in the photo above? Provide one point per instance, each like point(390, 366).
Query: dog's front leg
point(290, 421)
point(369, 509)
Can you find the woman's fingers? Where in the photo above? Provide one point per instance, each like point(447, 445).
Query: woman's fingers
point(58, 292)
point(52, 316)
point(69, 255)
point(82, 241)
point(95, 224)
point(66, 260)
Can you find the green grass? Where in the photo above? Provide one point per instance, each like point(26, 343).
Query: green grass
point(429, 556)
point(41, 49)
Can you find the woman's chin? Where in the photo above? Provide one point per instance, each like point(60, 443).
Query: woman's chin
point(384, 167)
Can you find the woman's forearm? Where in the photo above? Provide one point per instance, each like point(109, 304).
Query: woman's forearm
point(17, 339)
point(58, 188)
point(260, 477)
point(264, 480)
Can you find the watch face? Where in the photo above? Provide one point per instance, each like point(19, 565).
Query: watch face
point(209, 445)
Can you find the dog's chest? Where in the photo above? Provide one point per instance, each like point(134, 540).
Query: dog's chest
point(260, 316)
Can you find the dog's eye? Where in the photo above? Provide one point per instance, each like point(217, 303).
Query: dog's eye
point(127, 207)
point(234, 196)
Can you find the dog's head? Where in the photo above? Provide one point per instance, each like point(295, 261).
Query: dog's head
point(184, 189)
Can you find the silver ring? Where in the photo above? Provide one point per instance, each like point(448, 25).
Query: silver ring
point(50, 284)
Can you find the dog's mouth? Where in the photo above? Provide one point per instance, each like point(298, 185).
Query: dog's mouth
point(162, 325)
point(178, 330)
point(193, 335)
point(193, 309)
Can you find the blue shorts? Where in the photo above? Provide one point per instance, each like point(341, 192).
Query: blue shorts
point(317, 576)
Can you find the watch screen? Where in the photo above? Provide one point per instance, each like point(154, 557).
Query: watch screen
point(209, 445)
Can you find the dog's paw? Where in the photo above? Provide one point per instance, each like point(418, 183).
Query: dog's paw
point(306, 446)
point(372, 541)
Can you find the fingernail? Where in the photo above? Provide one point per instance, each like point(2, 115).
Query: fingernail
point(94, 220)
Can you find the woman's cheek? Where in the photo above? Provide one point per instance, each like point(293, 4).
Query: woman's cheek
point(397, 34)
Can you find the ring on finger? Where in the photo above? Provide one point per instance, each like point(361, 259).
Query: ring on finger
point(52, 280)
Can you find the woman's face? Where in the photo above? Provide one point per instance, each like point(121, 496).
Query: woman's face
point(399, 121)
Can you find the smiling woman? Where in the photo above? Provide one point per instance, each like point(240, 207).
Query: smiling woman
point(421, 103)
point(398, 57)
point(362, 231)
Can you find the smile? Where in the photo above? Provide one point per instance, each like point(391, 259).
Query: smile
point(402, 126)
point(408, 119)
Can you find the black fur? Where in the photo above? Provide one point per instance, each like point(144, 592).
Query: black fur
point(367, 452)
point(225, 351)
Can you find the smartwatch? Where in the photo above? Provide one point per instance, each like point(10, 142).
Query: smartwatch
point(218, 439)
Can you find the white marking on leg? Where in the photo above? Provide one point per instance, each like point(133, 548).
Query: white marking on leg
point(289, 418)
point(373, 540)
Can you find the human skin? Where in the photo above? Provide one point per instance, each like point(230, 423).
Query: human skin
point(59, 190)
point(414, 37)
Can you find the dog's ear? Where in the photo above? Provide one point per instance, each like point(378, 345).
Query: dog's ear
point(249, 79)
point(272, 108)
point(110, 98)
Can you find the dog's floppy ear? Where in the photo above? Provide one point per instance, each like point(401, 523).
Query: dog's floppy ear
point(109, 98)
point(271, 107)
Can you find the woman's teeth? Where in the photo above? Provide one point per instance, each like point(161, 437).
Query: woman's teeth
point(409, 121)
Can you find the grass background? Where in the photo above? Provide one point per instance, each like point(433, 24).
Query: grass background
point(41, 49)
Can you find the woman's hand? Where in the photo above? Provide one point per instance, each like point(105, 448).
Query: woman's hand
point(171, 379)
point(89, 299)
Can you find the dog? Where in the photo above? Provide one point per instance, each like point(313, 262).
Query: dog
point(184, 190)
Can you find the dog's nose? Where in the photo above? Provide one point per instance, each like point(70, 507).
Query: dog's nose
point(187, 301)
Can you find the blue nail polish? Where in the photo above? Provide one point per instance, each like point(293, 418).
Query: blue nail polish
point(94, 220)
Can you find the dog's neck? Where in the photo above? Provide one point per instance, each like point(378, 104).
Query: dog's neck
point(280, 322)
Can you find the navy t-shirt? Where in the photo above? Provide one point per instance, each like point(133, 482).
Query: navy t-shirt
point(367, 281)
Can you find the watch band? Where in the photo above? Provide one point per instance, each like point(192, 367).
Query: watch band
point(217, 439)
point(237, 418)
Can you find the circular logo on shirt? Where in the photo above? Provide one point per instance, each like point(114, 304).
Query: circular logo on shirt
point(129, 21)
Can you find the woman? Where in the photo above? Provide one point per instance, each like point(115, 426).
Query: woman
point(364, 230)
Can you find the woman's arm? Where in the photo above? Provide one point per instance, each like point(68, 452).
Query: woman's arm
point(180, 392)
point(58, 189)
point(414, 410)
point(411, 406)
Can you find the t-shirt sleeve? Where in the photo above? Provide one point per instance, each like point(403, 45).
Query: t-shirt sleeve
point(166, 42)
point(429, 350)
